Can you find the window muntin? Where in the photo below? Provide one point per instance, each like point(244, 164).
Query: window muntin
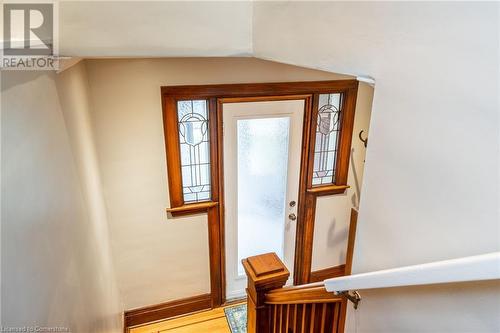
point(194, 140)
point(327, 138)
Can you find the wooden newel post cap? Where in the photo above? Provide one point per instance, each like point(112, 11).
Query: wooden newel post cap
point(265, 272)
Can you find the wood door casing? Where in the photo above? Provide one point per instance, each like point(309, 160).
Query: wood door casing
point(290, 109)
point(216, 95)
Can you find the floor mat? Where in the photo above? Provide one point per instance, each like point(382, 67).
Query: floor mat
point(237, 318)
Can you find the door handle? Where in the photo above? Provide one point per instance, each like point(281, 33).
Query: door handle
point(292, 216)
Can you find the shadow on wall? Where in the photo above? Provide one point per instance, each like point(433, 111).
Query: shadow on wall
point(357, 186)
point(435, 302)
point(18, 78)
point(54, 272)
point(335, 237)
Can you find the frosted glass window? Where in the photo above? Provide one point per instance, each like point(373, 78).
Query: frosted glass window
point(327, 135)
point(194, 141)
point(262, 181)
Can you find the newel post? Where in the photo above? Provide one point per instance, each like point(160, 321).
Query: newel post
point(265, 272)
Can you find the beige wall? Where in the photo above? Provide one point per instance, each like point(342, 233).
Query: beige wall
point(333, 213)
point(56, 267)
point(430, 189)
point(157, 259)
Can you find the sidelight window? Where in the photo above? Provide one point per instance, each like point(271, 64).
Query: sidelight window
point(327, 138)
point(194, 140)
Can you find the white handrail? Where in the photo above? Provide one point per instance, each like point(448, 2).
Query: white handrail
point(474, 268)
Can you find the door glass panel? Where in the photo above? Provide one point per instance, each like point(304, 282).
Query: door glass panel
point(262, 181)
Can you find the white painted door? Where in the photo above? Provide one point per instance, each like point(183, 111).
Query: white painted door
point(262, 148)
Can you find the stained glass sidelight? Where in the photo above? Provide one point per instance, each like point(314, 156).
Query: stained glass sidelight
point(327, 135)
point(194, 141)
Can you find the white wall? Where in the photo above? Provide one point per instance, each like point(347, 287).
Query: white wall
point(333, 212)
point(430, 189)
point(74, 97)
point(157, 259)
point(55, 256)
point(155, 28)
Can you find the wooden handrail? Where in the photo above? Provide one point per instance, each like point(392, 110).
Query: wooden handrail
point(308, 295)
point(299, 287)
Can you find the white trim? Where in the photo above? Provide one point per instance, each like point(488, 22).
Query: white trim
point(366, 79)
point(67, 62)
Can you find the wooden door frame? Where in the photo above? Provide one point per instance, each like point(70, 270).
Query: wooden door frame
point(307, 98)
point(218, 94)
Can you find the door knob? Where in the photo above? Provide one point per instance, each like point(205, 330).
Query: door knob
point(292, 217)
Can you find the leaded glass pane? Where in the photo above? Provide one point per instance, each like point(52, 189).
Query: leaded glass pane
point(327, 131)
point(194, 140)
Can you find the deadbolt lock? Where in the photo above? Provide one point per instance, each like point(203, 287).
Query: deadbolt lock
point(292, 203)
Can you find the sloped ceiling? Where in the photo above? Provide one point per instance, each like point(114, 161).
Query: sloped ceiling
point(155, 28)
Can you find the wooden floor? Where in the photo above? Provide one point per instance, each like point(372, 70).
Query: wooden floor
point(213, 321)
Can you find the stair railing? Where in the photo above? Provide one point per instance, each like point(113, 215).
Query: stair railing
point(298, 309)
point(273, 308)
point(321, 306)
point(474, 268)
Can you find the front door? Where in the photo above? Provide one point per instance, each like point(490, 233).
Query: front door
point(262, 153)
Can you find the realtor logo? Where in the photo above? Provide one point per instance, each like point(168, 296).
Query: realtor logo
point(28, 34)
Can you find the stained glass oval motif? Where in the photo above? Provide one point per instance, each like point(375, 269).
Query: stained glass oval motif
point(193, 127)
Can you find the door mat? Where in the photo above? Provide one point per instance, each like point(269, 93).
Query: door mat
point(237, 318)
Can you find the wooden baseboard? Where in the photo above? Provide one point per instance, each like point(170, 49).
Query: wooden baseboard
point(327, 273)
point(167, 310)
